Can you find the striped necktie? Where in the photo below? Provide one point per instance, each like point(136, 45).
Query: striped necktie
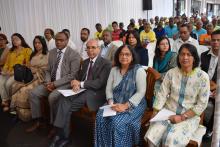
point(53, 74)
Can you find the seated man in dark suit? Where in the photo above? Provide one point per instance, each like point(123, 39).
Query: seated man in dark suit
point(63, 65)
point(93, 77)
point(209, 60)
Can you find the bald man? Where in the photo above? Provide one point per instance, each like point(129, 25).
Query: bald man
point(93, 77)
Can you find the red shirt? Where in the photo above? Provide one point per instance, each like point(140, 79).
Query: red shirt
point(115, 35)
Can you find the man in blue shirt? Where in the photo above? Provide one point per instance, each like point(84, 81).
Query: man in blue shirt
point(199, 30)
point(171, 29)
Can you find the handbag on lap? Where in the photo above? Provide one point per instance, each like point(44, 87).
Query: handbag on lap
point(22, 73)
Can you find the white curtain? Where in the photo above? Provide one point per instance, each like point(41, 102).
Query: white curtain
point(161, 8)
point(31, 17)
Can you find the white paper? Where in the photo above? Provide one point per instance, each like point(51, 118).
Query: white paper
point(70, 92)
point(105, 106)
point(108, 111)
point(145, 67)
point(163, 114)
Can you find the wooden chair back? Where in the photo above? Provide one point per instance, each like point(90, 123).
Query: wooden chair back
point(152, 76)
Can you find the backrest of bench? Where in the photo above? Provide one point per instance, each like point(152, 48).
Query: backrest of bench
point(152, 76)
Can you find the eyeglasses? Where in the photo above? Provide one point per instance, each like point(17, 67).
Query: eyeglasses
point(164, 44)
point(91, 47)
point(125, 54)
point(185, 54)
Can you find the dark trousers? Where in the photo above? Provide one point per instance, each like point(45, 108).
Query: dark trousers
point(209, 114)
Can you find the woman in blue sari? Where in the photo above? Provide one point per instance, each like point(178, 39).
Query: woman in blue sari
point(125, 91)
point(164, 59)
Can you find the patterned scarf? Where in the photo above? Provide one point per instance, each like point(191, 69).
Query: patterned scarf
point(127, 87)
point(160, 66)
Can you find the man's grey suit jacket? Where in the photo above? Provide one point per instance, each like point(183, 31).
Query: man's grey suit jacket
point(69, 68)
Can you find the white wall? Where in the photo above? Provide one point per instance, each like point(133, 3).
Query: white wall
point(31, 17)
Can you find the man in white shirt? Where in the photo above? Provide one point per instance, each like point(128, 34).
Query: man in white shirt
point(84, 36)
point(70, 42)
point(184, 38)
point(108, 49)
point(209, 63)
point(49, 35)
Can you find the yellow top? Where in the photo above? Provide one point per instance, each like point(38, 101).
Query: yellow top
point(150, 36)
point(98, 35)
point(23, 57)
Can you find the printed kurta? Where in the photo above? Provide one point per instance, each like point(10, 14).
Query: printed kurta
point(180, 93)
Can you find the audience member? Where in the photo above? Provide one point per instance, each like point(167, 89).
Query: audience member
point(108, 49)
point(70, 42)
point(184, 91)
point(184, 38)
point(209, 61)
point(63, 65)
point(18, 54)
point(121, 27)
point(156, 21)
point(171, 29)
point(98, 34)
point(84, 36)
point(4, 50)
point(49, 35)
point(140, 23)
point(38, 65)
point(159, 30)
point(116, 31)
point(93, 77)
point(133, 40)
point(132, 21)
point(141, 28)
point(125, 92)
point(192, 34)
point(147, 35)
point(164, 59)
point(199, 30)
point(205, 39)
point(152, 25)
point(214, 23)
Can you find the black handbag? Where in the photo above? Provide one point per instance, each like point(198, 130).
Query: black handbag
point(22, 73)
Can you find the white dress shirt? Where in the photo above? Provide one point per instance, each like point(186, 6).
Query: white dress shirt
point(83, 50)
point(104, 49)
point(212, 65)
point(58, 73)
point(94, 59)
point(177, 44)
point(51, 44)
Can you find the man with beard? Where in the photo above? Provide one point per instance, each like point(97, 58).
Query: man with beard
point(108, 49)
point(84, 36)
